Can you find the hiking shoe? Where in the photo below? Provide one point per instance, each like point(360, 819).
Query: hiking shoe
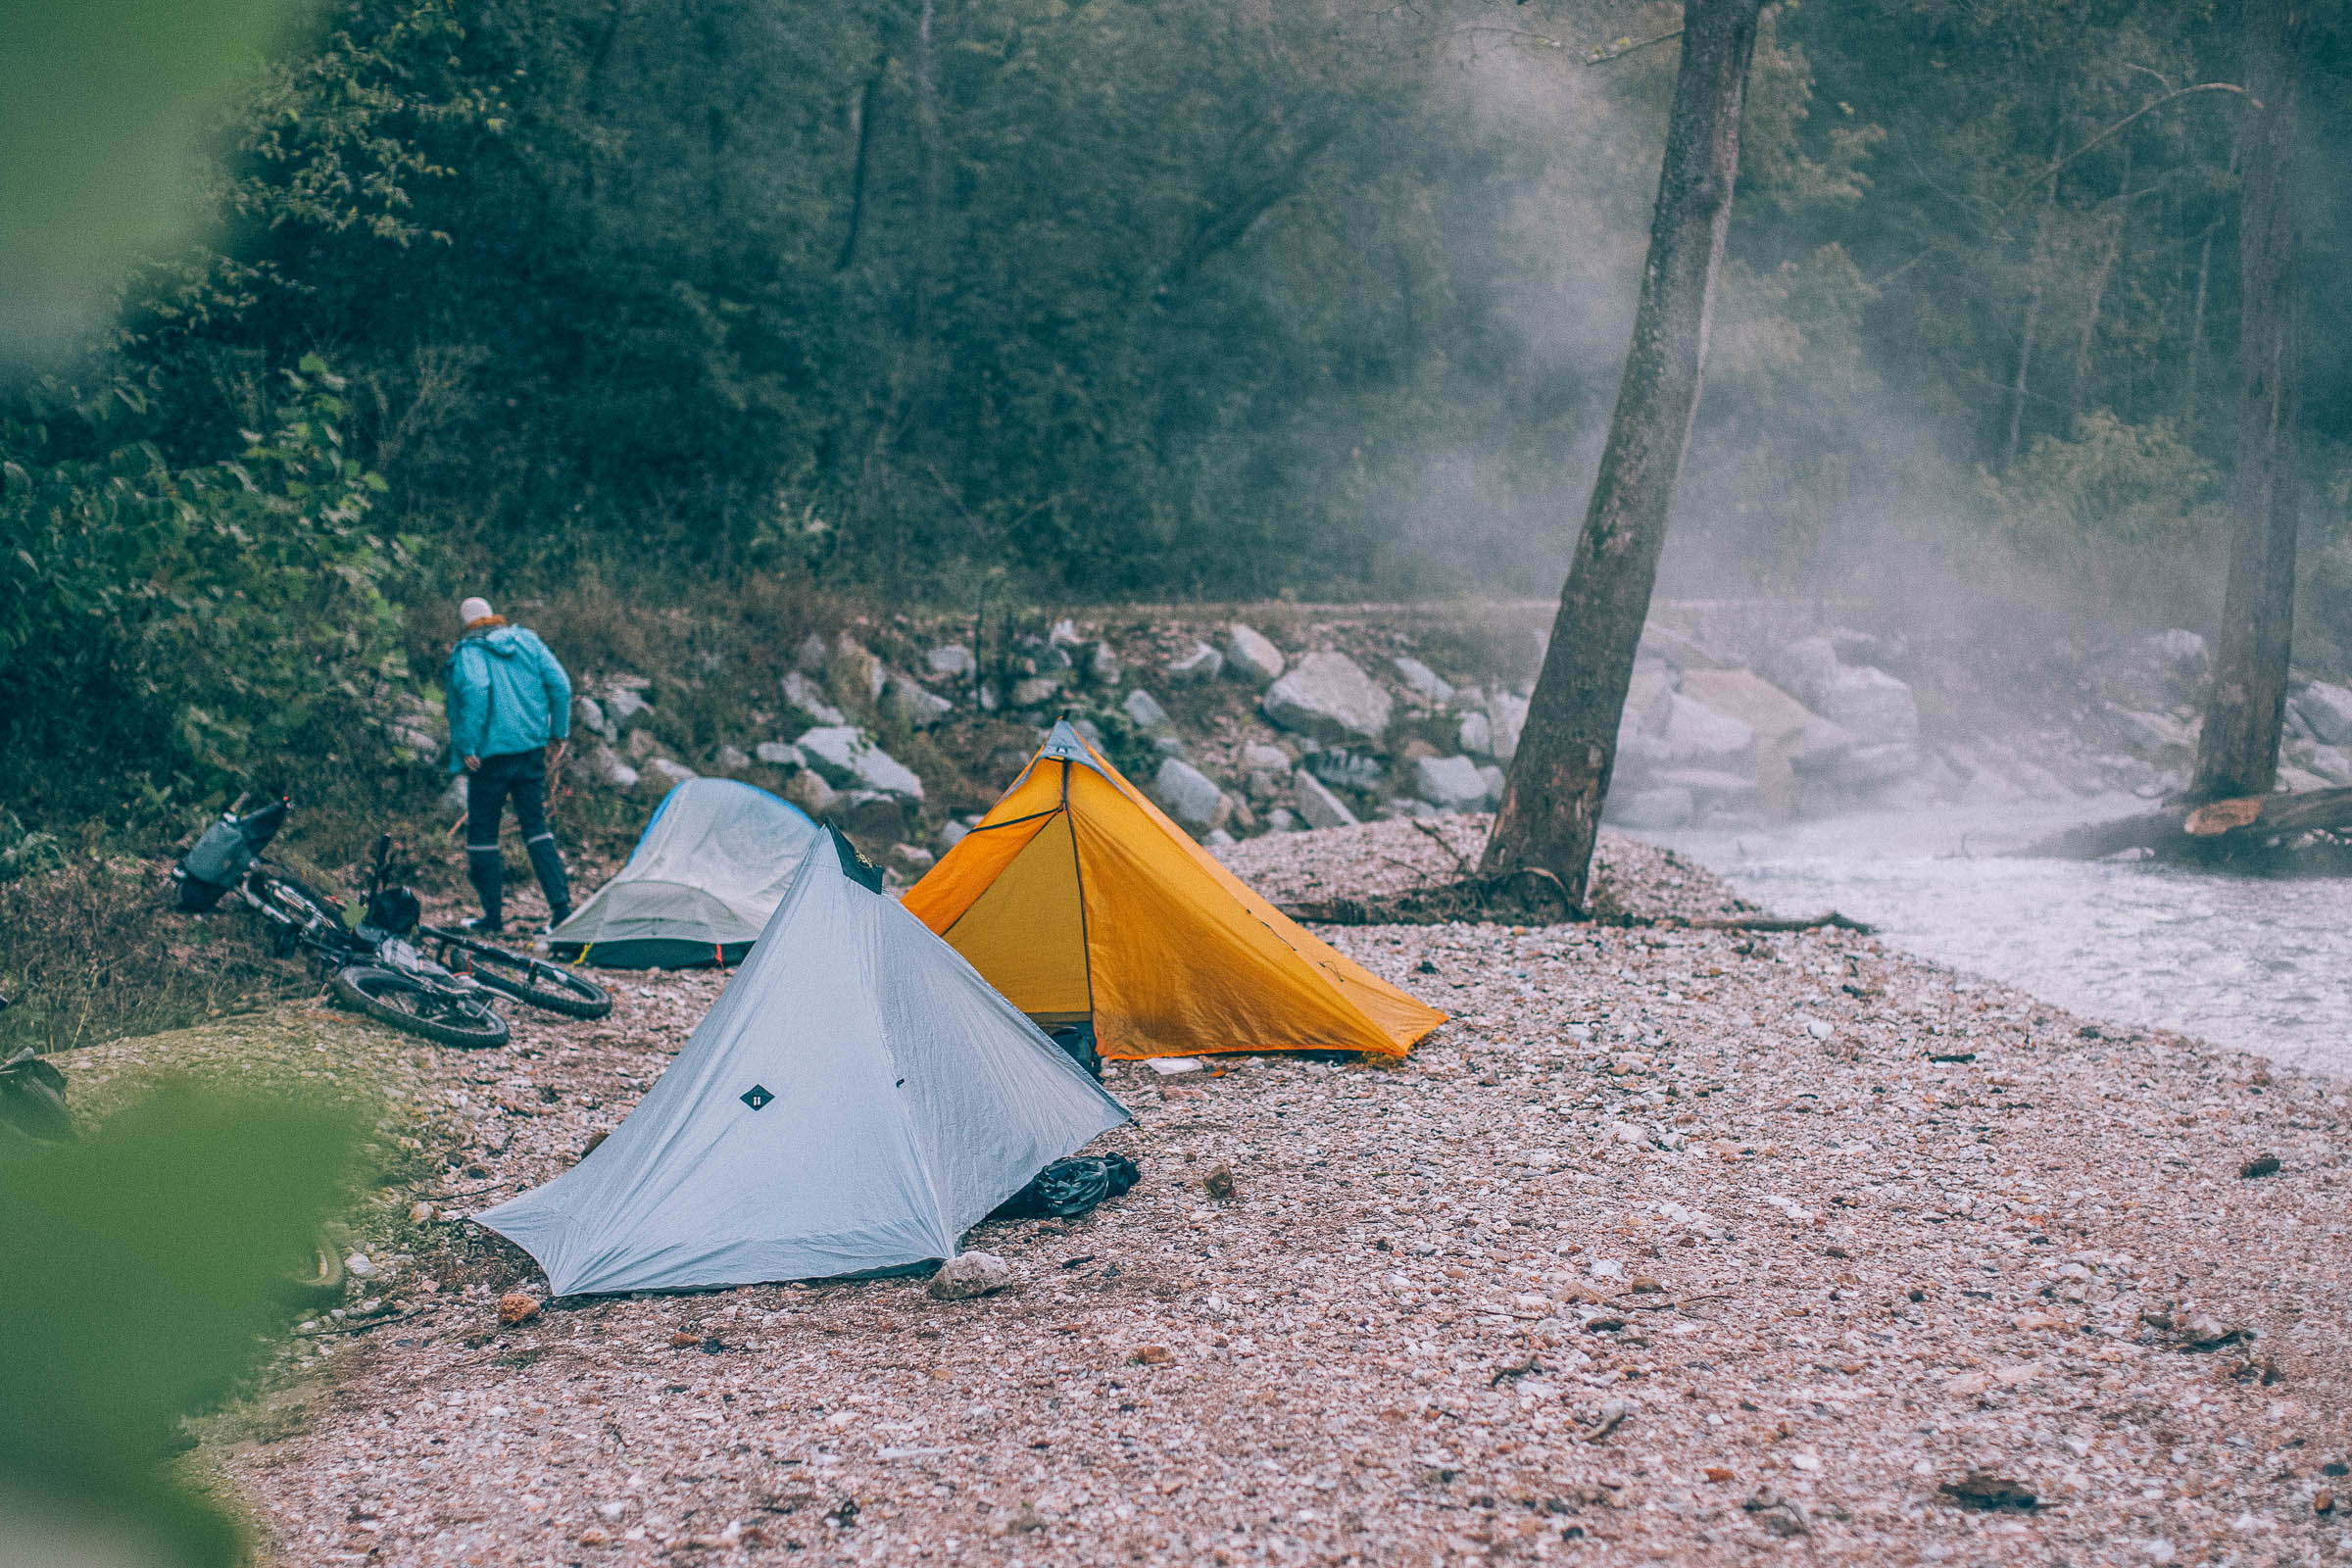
point(483, 926)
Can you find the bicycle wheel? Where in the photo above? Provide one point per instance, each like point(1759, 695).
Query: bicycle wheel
point(529, 980)
point(300, 902)
point(406, 1003)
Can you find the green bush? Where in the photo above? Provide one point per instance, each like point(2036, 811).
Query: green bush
point(174, 632)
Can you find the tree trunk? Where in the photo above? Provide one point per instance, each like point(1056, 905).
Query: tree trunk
point(2038, 259)
point(1550, 810)
point(2237, 753)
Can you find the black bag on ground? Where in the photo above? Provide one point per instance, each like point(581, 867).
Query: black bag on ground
point(224, 853)
point(1070, 1186)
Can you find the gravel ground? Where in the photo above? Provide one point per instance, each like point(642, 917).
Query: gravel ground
point(1675, 1246)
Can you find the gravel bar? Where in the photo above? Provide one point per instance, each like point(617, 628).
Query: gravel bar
point(1675, 1246)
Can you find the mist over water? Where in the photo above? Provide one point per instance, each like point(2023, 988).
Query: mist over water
point(2262, 964)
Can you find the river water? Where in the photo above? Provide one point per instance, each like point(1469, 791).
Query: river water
point(2259, 964)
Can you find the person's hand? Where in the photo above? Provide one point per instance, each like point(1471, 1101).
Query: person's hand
point(554, 755)
point(474, 764)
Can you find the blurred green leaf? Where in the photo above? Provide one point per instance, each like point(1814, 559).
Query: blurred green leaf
point(142, 1263)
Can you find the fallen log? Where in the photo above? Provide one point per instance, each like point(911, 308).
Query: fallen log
point(1832, 921)
point(2214, 831)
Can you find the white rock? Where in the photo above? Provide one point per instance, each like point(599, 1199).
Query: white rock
point(914, 705)
point(1326, 695)
point(1494, 779)
point(1103, 665)
point(779, 753)
point(671, 771)
point(953, 834)
point(844, 756)
point(1190, 795)
point(1696, 733)
point(1451, 782)
point(808, 697)
point(2327, 710)
point(622, 707)
point(1140, 707)
point(360, 1266)
point(1806, 739)
point(969, 1274)
point(1202, 663)
point(1217, 838)
point(1477, 734)
point(807, 789)
point(912, 859)
point(1259, 756)
point(1424, 680)
point(1251, 656)
point(1874, 707)
point(810, 654)
point(951, 660)
point(1282, 819)
point(1507, 716)
point(588, 715)
point(454, 799)
point(1175, 1066)
point(1035, 691)
point(1316, 802)
point(733, 759)
point(606, 768)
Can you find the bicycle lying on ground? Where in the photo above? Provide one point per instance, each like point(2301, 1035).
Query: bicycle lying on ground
point(374, 951)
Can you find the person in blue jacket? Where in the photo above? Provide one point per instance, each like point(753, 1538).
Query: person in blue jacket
point(510, 712)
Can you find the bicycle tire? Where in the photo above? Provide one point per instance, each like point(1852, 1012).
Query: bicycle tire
point(404, 1002)
point(549, 986)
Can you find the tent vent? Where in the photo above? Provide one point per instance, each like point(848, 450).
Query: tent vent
point(756, 1097)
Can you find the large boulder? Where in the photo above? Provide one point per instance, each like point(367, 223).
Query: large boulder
point(1316, 803)
point(952, 661)
point(1873, 707)
point(807, 789)
point(624, 706)
point(2327, 711)
point(1190, 795)
point(779, 753)
point(1697, 734)
point(1251, 656)
point(1806, 739)
point(669, 772)
point(847, 758)
point(1326, 695)
point(1202, 663)
point(588, 715)
point(1449, 782)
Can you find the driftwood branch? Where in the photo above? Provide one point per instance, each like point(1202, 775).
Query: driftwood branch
point(2206, 832)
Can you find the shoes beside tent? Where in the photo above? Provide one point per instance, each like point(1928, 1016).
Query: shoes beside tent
point(856, 1101)
point(703, 879)
point(1083, 903)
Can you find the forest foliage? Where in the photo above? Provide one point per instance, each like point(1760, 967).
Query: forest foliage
point(1194, 297)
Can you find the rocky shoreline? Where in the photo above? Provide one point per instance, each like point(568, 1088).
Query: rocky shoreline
point(1676, 1245)
point(1278, 718)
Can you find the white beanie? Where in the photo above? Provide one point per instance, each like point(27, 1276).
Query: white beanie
point(474, 609)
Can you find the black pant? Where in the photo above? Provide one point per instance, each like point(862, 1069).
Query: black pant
point(519, 776)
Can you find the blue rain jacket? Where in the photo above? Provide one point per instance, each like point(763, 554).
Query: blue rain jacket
point(505, 694)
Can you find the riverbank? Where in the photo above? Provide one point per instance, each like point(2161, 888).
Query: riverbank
point(1674, 1244)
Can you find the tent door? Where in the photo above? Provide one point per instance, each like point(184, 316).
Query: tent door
point(1073, 1032)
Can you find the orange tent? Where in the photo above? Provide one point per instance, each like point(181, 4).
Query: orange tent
point(1077, 899)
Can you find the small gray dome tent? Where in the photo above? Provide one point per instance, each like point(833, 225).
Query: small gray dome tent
point(856, 1101)
point(701, 883)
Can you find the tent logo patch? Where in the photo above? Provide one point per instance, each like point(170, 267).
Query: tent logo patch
point(756, 1097)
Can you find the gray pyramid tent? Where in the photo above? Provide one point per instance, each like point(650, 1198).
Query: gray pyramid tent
point(857, 1098)
point(701, 883)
